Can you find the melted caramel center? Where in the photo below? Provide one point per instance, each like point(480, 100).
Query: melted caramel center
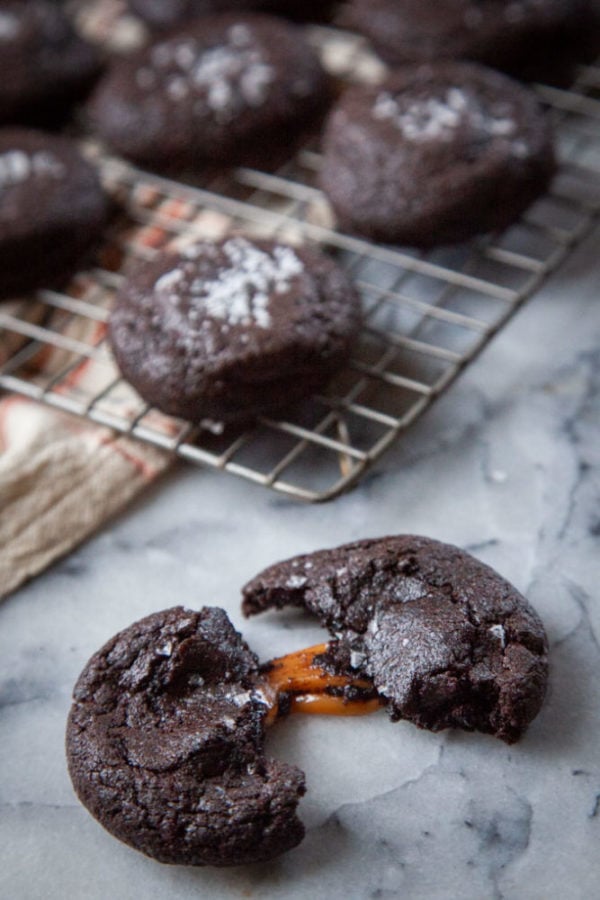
point(309, 689)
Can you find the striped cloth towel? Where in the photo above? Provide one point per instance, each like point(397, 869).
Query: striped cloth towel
point(61, 478)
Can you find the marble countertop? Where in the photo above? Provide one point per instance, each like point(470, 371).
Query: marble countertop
point(506, 465)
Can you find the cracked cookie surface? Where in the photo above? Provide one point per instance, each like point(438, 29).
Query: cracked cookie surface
point(446, 641)
point(165, 744)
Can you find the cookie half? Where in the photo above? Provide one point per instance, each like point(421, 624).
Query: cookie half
point(165, 745)
point(436, 154)
point(231, 329)
point(46, 65)
point(52, 208)
point(214, 93)
point(446, 641)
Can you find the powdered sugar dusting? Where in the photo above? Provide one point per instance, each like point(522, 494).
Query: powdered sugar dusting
point(17, 166)
point(229, 76)
point(439, 119)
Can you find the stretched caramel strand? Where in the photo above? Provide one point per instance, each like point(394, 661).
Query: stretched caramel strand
point(328, 705)
point(308, 688)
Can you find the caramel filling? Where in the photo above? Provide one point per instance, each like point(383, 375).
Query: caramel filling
point(309, 689)
point(327, 705)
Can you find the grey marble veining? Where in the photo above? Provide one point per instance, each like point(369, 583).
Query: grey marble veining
point(505, 465)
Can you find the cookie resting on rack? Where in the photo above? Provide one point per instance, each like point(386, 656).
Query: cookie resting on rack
point(534, 38)
point(165, 744)
point(52, 208)
point(436, 154)
point(446, 641)
point(45, 64)
point(221, 91)
point(231, 329)
point(163, 14)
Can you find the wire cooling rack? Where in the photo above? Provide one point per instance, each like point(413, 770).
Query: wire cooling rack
point(427, 316)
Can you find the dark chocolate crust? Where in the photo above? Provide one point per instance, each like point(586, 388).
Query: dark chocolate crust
point(445, 639)
point(436, 154)
point(52, 208)
point(531, 38)
point(163, 14)
point(210, 93)
point(165, 745)
point(232, 329)
point(46, 65)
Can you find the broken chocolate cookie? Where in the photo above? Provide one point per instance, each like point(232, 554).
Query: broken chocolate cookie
point(165, 744)
point(165, 739)
point(446, 641)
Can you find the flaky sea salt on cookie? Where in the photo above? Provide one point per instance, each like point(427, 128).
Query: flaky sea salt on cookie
point(436, 154)
point(230, 329)
point(210, 93)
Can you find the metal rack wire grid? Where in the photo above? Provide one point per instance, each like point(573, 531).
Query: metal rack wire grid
point(426, 316)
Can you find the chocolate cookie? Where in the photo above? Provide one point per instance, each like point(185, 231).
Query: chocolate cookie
point(523, 37)
point(165, 745)
point(52, 207)
point(436, 154)
point(162, 14)
point(446, 640)
point(231, 329)
point(46, 66)
point(211, 94)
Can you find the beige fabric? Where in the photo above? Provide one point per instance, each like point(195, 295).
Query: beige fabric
point(59, 481)
point(61, 477)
